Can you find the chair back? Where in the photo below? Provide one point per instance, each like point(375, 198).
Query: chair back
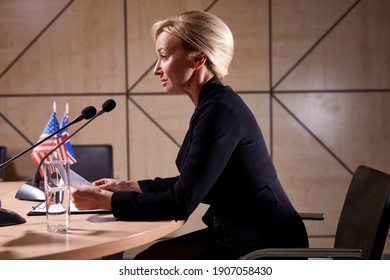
point(93, 161)
point(364, 219)
point(3, 151)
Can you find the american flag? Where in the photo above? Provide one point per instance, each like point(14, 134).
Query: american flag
point(70, 155)
point(39, 152)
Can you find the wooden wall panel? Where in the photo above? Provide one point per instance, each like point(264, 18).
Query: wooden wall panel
point(297, 26)
point(355, 55)
point(170, 112)
point(152, 125)
point(248, 21)
point(347, 124)
point(82, 51)
point(313, 179)
point(20, 22)
point(334, 95)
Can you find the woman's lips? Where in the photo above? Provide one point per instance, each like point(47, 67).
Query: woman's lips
point(163, 82)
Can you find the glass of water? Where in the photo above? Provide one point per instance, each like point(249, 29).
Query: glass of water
point(57, 189)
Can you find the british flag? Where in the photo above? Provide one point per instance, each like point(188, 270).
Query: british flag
point(69, 153)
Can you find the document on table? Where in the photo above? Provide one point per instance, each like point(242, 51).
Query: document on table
point(40, 209)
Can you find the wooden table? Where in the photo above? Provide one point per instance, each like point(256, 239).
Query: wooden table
point(92, 236)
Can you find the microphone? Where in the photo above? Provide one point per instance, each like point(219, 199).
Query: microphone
point(86, 113)
point(107, 106)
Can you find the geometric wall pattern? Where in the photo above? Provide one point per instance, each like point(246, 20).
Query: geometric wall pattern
point(315, 73)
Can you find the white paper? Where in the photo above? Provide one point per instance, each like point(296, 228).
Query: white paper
point(77, 180)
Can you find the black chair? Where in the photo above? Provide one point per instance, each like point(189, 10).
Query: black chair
point(363, 226)
point(93, 161)
point(3, 151)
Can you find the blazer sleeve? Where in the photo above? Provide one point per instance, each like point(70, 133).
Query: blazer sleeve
point(157, 185)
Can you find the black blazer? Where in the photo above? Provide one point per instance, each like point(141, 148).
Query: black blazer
point(224, 162)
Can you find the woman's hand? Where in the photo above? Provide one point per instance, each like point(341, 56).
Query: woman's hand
point(115, 185)
point(89, 197)
point(98, 196)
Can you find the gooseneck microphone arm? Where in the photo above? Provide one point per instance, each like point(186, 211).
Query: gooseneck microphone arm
point(86, 113)
point(106, 107)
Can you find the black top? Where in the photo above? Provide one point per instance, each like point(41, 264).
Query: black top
point(224, 162)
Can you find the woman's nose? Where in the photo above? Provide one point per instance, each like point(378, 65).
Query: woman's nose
point(157, 69)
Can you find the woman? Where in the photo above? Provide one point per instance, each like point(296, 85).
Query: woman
point(223, 160)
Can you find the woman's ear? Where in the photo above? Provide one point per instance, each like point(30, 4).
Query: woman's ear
point(199, 60)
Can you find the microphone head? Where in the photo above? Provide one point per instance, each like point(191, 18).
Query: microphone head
point(88, 112)
point(108, 105)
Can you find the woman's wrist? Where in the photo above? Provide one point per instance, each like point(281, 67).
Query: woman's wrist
point(107, 200)
point(134, 186)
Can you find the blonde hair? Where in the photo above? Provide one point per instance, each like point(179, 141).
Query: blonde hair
point(201, 33)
